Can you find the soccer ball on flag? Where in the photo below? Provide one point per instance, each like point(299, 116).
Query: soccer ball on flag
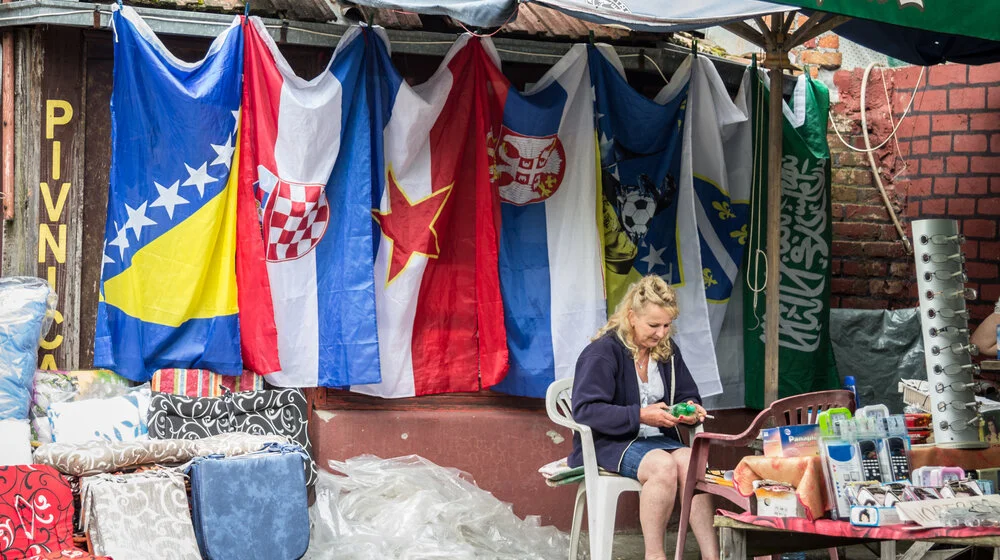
point(637, 210)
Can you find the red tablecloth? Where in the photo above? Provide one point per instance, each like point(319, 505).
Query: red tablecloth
point(968, 459)
point(833, 528)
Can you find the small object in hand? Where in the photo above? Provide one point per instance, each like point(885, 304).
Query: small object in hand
point(683, 409)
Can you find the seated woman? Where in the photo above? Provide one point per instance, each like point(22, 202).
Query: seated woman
point(625, 382)
point(985, 335)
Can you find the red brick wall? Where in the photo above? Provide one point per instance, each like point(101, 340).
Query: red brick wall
point(946, 165)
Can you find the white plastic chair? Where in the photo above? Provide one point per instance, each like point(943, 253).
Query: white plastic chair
point(600, 489)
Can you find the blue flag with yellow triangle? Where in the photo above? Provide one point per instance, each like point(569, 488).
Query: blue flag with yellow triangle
point(168, 281)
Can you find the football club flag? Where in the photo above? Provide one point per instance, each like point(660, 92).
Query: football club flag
point(649, 203)
point(168, 294)
point(543, 162)
point(306, 168)
point(440, 315)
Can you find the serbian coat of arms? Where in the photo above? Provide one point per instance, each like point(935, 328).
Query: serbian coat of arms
point(526, 169)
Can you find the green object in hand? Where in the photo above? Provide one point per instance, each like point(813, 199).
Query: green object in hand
point(683, 409)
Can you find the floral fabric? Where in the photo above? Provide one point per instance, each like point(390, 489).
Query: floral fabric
point(36, 512)
point(139, 515)
point(116, 419)
point(85, 459)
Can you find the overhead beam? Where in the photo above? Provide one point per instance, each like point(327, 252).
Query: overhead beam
point(808, 32)
point(326, 35)
point(746, 32)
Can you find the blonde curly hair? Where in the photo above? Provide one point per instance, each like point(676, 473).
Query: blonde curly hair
point(649, 290)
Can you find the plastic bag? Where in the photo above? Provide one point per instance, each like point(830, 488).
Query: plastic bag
point(408, 508)
point(25, 315)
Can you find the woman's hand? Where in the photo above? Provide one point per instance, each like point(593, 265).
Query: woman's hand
point(696, 418)
point(658, 415)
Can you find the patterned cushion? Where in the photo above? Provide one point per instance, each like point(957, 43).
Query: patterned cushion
point(85, 459)
point(139, 515)
point(36, 511)
point(116, 419)
point(282, 412)
point(203, 383)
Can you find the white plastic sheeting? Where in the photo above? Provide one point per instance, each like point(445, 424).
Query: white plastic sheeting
point(409, 508)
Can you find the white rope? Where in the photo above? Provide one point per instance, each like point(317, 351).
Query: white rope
point(753, 225)
point(870, 153)
point(651, 61)
point(863, 123)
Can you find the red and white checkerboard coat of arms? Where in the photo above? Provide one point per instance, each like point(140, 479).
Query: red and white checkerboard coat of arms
point(526, 169)
point(293, 216)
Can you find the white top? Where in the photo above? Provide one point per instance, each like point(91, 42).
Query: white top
point(650, 393)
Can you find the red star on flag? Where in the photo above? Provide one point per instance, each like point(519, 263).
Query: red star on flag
point(410, 225)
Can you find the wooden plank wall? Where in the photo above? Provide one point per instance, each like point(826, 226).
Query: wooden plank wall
point(20, 252)
point(61, 191)
point(96, 166)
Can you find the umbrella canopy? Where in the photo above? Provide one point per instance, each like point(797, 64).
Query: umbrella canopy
point(922, 32)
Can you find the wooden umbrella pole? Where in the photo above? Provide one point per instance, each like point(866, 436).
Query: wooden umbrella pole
point(775, 61)
point(771, 317)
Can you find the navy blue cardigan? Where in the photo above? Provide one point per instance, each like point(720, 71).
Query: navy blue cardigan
point(606, 398)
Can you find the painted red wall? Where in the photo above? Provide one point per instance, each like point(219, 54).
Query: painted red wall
point(501, 446)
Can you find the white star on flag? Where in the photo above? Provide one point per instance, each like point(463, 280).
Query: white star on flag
point(120, 241)
point(106, 259)
point(224, 153)
point(168, 198)
point(236, 115)
point(137, 219)
point(199, 178)
point(653, 258)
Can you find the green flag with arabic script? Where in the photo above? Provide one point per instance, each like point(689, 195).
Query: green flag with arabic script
point(805, 358)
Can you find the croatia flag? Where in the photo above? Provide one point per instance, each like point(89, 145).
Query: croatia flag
point(307, 180)
point(440, 316)
point(544, 163)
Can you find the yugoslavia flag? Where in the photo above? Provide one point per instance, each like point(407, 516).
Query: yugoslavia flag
point(543, 161)
point(307, 169)
point(440, 315)
point(649, 210)
point(168, 283)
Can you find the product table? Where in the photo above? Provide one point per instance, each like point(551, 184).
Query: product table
point(745, 536)
point(806, 473)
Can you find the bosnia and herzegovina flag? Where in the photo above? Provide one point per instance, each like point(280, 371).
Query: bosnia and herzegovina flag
point(168, 282)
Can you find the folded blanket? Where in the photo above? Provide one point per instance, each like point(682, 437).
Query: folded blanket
point(85, 459)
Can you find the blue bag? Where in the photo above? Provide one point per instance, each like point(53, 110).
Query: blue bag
point(24, 302)
point(251, 507)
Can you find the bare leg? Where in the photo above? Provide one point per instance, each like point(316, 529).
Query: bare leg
point(702, 518)
point(658, 476)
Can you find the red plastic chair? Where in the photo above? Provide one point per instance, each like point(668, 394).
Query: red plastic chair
point(790, 411)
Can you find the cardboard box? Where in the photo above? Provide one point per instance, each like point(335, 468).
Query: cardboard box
point(791, 441)
point(777, 500)
point(874, 516)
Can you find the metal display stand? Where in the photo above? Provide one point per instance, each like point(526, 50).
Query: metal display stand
point(944, 322)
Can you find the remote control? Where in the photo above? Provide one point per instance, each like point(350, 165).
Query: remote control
point(899, 463)
point(870, 467)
